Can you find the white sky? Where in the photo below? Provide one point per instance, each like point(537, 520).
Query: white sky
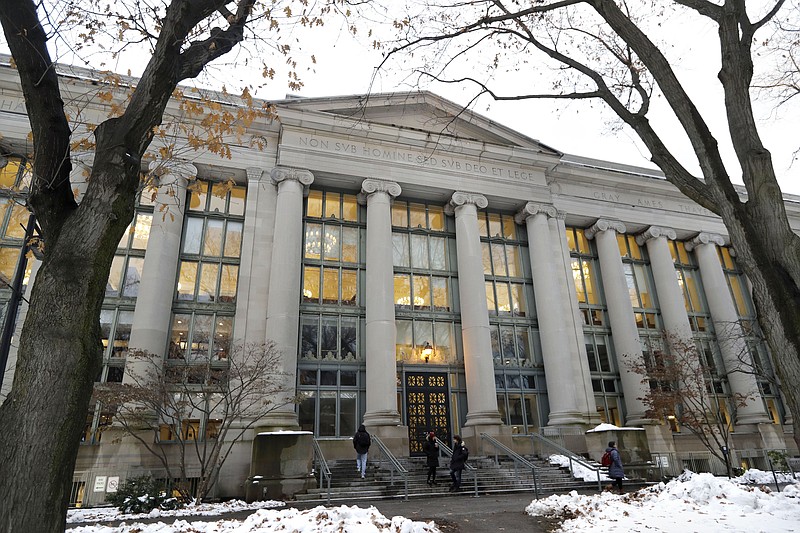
point(693, 503)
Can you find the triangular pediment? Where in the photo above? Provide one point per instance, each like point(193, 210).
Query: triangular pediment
point(420, 111)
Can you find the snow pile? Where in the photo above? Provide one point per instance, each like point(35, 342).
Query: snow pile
point(760, 477)
point(693, 502)
point(317, 520)
point(105, 514)
point(578, 471)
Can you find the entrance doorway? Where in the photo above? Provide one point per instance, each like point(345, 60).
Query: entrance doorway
point(427, 408)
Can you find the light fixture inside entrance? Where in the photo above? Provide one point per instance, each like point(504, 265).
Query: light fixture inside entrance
point(427, 351)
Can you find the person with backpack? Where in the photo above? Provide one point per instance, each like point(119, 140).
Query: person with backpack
point(457, 462)
point(431, 449)
point(361, 443)
point(613, 461)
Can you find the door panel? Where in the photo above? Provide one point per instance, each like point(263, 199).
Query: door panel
point(427, 408)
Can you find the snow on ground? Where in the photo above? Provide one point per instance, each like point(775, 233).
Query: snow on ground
point(105, 514)
point(691, 503)
point(317, 520)
point(578, 471)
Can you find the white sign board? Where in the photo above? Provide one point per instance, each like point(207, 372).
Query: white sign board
point(100, 483)
point(113, 484)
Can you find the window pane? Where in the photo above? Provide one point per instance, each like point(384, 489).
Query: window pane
point(8, 174)
point(17, 221)
point(441, 296)
point(309, 329)
point(122, 334)
point(348, 347)
point(213, 240)
point(402, 291)
point(495, 336)
point(490, 302)
point(487, 258)
point(209, 273)
point(422, 292)
point(577, 277)
point(518, 306)
point(314, 204)
point(141, 231)
point(133, 276)
point(602, 354)
point(439, 253)
point(523, 344)
point(483, 228)
point(228, 283)
point(509, 227)
point(313, 241)
point(423, 332)
point(331, 242)
point(330, 337)
point(180, 336)
point(514, 261)
point(692, 286)
point(738, 296)
point(233, 239)
point(347, 413)
point(643, 285)
point(222, 338)
point(588, 276)
point(306, 410)
point(404, 340)
point(350, 245)
point(106, 320)
point(350, 208)
point(201, 335)
point(436, 218)
point(199, 192)
point(419, 251)
point(192, 235)
point(237, 203)
point(444, 341)
point(330, 285)
point(327, 414)
point(311, 284)
point(347, 378)
point(503, 299)
point(186, 280)
point(507, 343)
point(499, 260)
point(219, 194)
point(417, 219)
point(399, 214)
point(400, 256)
point(333, 204)
point(495, 225)
point(114, 275)
point(349, 287)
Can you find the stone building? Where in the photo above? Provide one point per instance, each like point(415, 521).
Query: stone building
point(421, 268)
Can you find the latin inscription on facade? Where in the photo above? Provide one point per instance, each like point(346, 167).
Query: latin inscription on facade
point(374, 152)
point(616, 197)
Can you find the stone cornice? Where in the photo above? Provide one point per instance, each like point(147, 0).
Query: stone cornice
point(256, 173)
point(532, 208)
point(604, 224)
point(371, 185)
point(279, 174)
point(705, 238)
point(654, 232)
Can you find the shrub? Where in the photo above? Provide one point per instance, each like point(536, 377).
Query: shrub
point(140, 495)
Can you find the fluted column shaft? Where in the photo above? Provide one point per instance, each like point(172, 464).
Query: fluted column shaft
point(559, 372)
point(730, 336)
point(151, 317)
point(380, 329)
point(283, 307)
point(625, 335)
point(478, 363)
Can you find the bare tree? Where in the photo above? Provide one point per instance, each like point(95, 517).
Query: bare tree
point(600, 50)
point(59, 348)
point(195, 410)
point(685, 388)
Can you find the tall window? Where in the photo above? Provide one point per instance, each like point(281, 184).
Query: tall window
point(329, 401)
point(14, 183)
point(205, 294)
point(691, 285)
point(597, 337)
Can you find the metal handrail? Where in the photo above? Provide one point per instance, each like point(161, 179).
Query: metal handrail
point(394, 465)
point(324, 471)
point(517, 458)
point(571, 456)
point(443, 447)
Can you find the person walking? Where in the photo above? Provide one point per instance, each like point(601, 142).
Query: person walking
point(431, 449)
point(361, 442)
point(615, 470)
point(457, 462)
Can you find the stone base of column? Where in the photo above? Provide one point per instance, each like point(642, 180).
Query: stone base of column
point(638, 419)
point(394, 437)
point(484, 418)
point(276, 421)
point(659, 438)
point(387, 417)
point(471, 436)
point(772, 437)
point(755, 418)
point(566, 418)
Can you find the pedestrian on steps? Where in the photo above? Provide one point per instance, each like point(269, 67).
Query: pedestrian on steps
point(361, 442)
point(431, 449)
point(457, 462)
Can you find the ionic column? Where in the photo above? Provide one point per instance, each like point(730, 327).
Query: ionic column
point(151, 317)
point(380, 329)
point(670, 296)
point(478, 363)
point(254, 270)
point(625, 335)
point(559, 371)
point(730, 336)
point(283, 308)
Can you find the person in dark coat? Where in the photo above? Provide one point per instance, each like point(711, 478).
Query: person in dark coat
point(431, 449)
point(615, 471)
point(457, 462)
point(361, 443)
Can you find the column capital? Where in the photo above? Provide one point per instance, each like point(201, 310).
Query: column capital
point(532, 209)
point(604, 224)
point(654, 232)
point(279, 174)
point(372, 185)
point(705, 238)
point(463, 198)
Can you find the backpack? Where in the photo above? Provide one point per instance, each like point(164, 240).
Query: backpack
point(363, 439)
point(606, 460)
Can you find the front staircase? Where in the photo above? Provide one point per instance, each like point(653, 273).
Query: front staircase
point(346, 482)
